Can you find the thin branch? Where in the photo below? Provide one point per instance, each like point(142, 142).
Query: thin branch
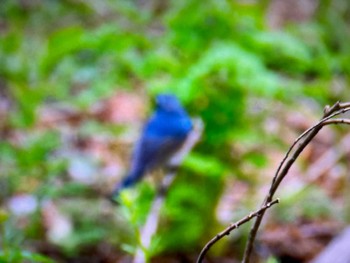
point(329, 113)
point(277, 180)
point(281, 172)
point(228, 230)
point(337, 121)
point(283, 169)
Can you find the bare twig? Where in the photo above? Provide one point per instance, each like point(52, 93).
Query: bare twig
point(287, 162)
point(228, 230)
point(150, 227)
point(329, 113)
point(337, 121)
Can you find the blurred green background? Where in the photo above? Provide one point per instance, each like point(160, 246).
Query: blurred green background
point(77, 79)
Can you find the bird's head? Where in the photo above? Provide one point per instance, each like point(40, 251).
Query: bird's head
point(168, 103)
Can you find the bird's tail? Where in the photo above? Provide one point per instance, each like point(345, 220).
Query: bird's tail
point(132, 177)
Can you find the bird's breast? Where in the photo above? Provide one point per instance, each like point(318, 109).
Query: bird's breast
point(170, 127)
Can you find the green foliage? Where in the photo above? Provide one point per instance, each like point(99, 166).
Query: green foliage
point(185, 213)
point(19, 256)
point(281, 50)
point(218, 57)
point(10, 244)
point(207, 165)
point(29, 159)
point(271, 260)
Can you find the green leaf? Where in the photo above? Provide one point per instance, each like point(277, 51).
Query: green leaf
point(205, 165)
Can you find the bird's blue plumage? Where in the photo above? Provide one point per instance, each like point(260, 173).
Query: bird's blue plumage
point(163, 134)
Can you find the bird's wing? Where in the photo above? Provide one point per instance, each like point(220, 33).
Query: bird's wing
point(152, 152)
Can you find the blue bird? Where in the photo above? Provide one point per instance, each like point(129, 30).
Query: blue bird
point(162, 135)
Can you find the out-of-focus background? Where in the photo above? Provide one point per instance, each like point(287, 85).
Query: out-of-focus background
point(78, 78)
